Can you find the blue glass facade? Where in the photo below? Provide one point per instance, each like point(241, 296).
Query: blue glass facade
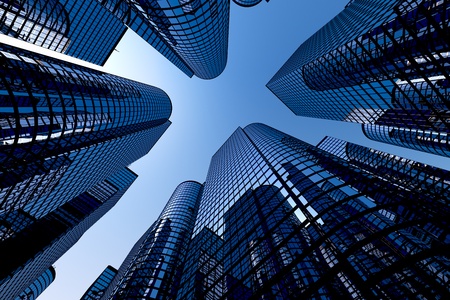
point(153, 268)
point(64, 125)
point(89, 22)
point(296, 221)
point(191, 34)
point(282, 219)
point(380, 63)
point(98, 288)
point(67, 135)
point(38, 286)
point(34, 249)
point(41, 22)
point(76, 28)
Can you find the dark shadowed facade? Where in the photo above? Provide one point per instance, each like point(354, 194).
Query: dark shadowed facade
point(67, 135)
point(384, 64)
point(76, 28)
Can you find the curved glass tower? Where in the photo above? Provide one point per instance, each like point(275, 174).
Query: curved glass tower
point(75, 28)
point(193, 34)
point(34, 246)
point(282, 219)
point(380, 63)
point(63, 124)
point(153, 269)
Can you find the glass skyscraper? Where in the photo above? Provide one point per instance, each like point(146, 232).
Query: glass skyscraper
point(282, 219)
point(39, 285)
point(380, 63)
point(248, 3)
point(192, 34)
point(37, 246)
point(98, 288)
point(77, 28)
point(67, 135)
point(154, 266)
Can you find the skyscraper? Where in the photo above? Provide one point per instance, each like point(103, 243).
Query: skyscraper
point(98, 288)
point(34, 249)
point(191, 34)
point(75, 28)
point(380, 63)
point(282, 219)
point(39, 285)
point(67, 134)
point(154, 266)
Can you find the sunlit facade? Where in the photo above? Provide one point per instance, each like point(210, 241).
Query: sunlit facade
point(64, 125)
point(193, 35)
point(282, 219)
point(379, 63)
point(296, 221)
point(76, 28)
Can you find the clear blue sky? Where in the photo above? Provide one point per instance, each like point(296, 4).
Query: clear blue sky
point(205, 113)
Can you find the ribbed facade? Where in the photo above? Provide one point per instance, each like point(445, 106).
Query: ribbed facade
point(379, 63)
point(67, 135)
point(41, 22)
point(64, 125)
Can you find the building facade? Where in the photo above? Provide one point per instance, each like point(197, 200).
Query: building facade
point(43, 241)
point(75, 28)
point(379, 63)
point(98, 288)
point(193, 35)
point(63, 125)
point(154, 266)
point(282, 219)
point(39, 285)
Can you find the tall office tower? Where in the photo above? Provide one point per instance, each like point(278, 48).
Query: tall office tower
point(76, 28)
point(381, 63)
point(192, 34)
point(36, 247)
point(282, 219)
point(66, 125)
point(98, 288)
point(66, 130)
point(153, 268)
point(39, 285)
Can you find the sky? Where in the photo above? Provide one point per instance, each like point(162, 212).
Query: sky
point(205, 113)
